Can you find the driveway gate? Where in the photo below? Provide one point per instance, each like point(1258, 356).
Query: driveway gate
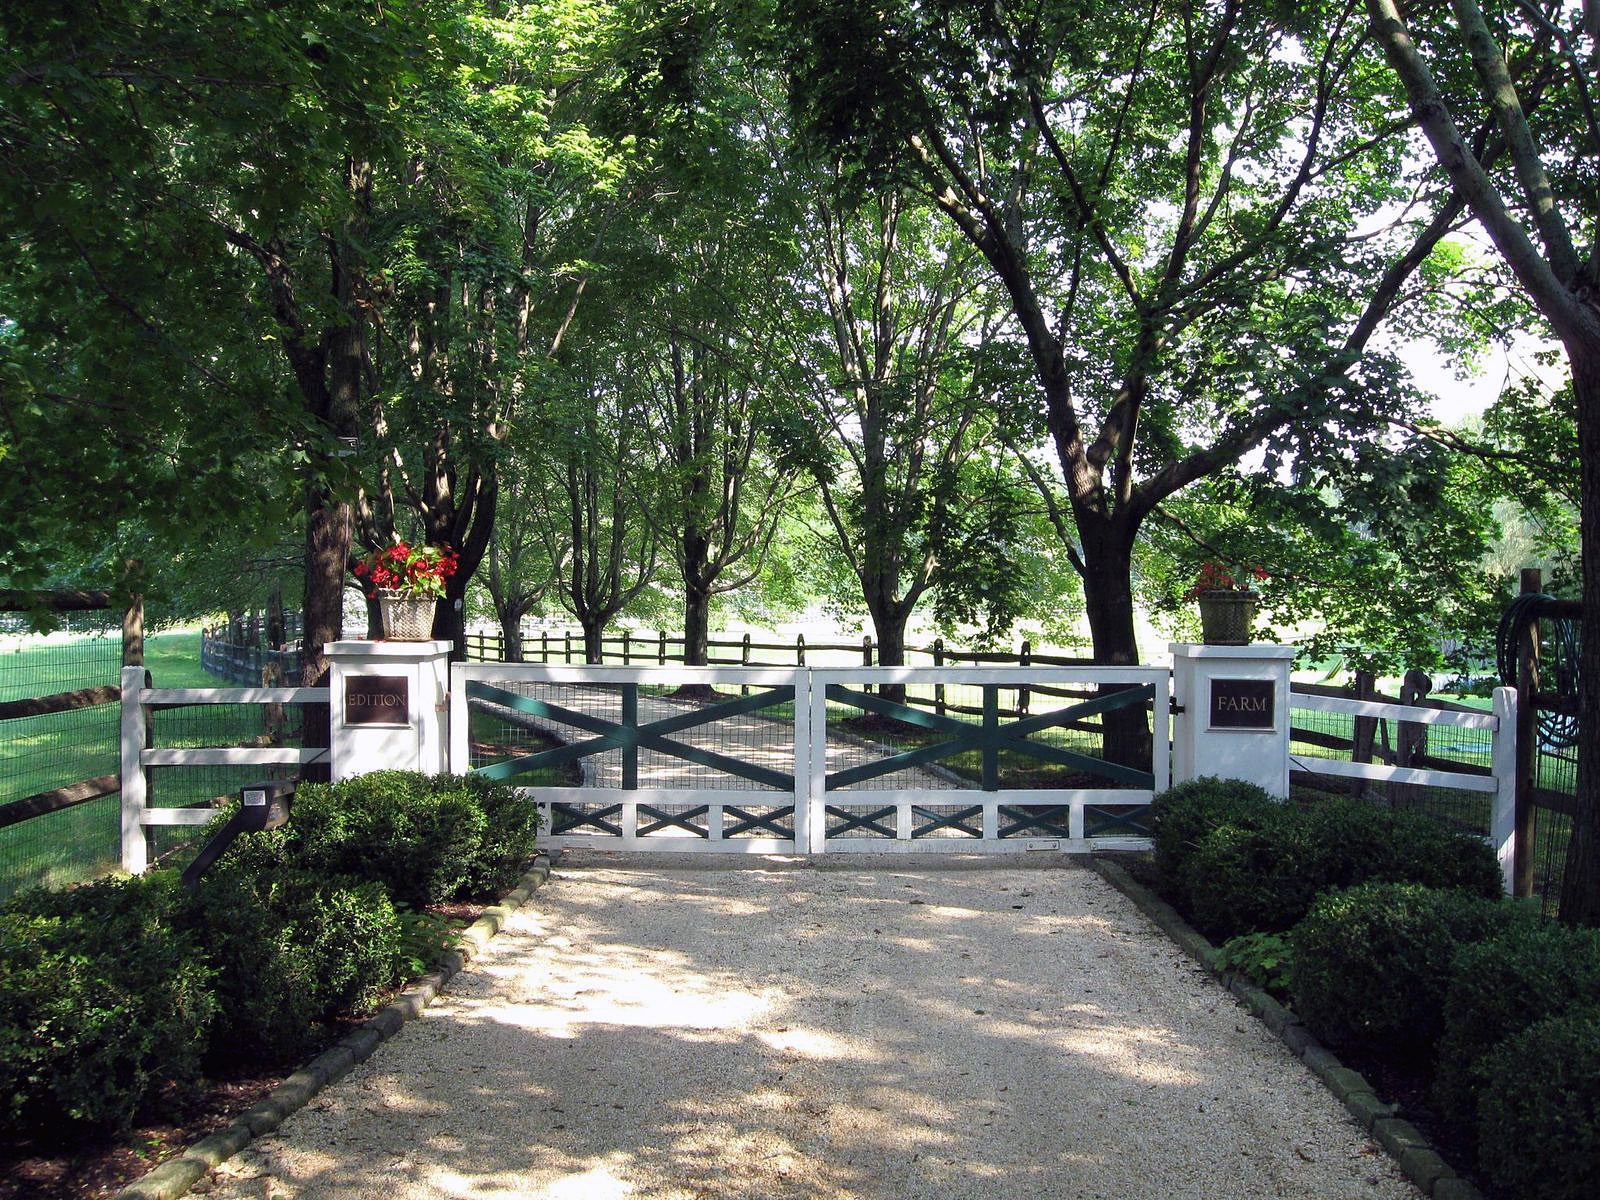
point(777, 760)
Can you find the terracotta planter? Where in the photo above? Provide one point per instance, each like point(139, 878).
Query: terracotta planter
point(406, 618)
point(1226, 617)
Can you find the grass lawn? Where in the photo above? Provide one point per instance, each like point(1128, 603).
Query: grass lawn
point(38, 754)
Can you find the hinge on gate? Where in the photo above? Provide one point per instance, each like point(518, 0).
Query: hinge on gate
point(1174, 707)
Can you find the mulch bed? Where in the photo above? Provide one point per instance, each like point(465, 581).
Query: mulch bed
point(92, 1170)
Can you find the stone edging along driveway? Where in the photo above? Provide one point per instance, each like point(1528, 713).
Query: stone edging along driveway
point(177, 1175)
point(1417, 1160)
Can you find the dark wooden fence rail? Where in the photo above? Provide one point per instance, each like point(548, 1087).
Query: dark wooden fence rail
point(633, 649)
point(248, 665)
point(642, 649)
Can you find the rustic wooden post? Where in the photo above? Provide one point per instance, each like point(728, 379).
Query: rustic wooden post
point(1024, 659)
point(1411, 737)
point(566, 653)
point(661, 652)
point(1364, 730)
point(866, 658)
point(1532, 583)
point(799, 649)
point(275, 632)
point(938, 688)
point(627, 642)
point(544, 646)
point(133, 633)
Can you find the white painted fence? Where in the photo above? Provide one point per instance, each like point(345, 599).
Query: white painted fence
point(796, 783)
point(139, 699)
point(1500, 722)
point(793, 778)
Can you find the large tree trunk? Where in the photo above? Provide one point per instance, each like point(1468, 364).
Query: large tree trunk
point(511, 632)
point(1580, 888)
point(593, 645)
point(450, 617)
point(696, 624)
point(889, 618)
point(1108, 599)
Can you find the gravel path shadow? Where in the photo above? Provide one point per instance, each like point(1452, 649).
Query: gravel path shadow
point(680, 1028)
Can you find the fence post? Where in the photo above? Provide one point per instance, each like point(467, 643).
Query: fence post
point(799, 649)
point(627, 642)
point(1504, 834)
point(1411, 737)
point(1023, 660)
point(1364, 731)
point(661, 654)
point(1527, 740)
point(133, 633)
point(544, 646)
point(135, 789)
point(566, 652)
point(938, 688)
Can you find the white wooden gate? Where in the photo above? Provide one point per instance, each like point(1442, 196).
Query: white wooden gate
point(779, 760)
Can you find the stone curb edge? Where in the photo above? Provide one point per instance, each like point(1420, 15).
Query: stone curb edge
point(177, 1175)
point(1417, 1160)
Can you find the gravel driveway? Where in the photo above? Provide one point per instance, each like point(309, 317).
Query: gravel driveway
point(893, 1029)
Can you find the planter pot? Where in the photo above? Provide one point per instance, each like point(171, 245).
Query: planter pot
point(1226, 616)
point(406, 618)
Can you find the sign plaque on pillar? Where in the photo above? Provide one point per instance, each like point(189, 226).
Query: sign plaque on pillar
point(381, 700)
point(1248, 704)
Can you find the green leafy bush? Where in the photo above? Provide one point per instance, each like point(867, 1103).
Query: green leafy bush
point(509, 843)
point(1497, 989)
point(1241, 879)
point(102, 1003)
point(291, 949)
point(1264, 959)
point(1539, 1128)
point(418, 836)
point(1238, 868)
point(426, 838)
point(1183, 814)
point(1371, 963)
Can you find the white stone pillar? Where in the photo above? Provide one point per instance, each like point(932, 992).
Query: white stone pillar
point(391, 706)
point(1234, 721)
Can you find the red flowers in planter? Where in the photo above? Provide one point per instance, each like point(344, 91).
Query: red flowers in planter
point(1214, 577)
point(418, 571)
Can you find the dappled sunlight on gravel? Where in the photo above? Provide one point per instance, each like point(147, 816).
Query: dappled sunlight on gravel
point(883, 1030)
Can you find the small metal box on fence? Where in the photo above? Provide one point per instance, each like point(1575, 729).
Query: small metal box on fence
point(262, 806)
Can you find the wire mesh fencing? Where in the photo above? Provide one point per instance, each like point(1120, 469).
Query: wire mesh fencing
point(39, 754)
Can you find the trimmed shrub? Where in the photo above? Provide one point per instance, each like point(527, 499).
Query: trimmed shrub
point(1341, 843)
point(425, 838)
point(1181, 816)
point(512, 828)
point(1539, 1128)
point(102, 1003)
point(418, 839)
point(289, 950)
point(1244, 879)
point(1499, 988)
point(1371, 963)
point(1241, 863)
